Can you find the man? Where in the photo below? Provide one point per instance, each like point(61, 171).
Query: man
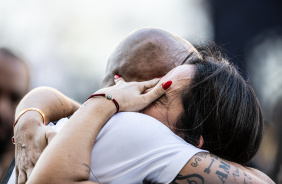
point(150, 47)
point(14, 84)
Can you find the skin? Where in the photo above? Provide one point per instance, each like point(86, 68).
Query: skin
point(59, 100)
point(146, 54)
point(14, 84)
point(51, 167)
point(167, 108)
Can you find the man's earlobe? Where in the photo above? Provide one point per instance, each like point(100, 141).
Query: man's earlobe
point(200, 142)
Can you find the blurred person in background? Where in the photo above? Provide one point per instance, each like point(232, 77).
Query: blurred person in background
point(14, 84)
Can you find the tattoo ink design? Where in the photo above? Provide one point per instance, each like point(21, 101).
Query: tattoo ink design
point(247, 182)
point(203, 155)
point(222, 175)
point(59, 99)
point(88, 170)
point(195, 164)
point(208, 170)
point(191, 179)
point(213, 156)
point(236, 172)
point(145, 88)
point(249, 177)
point(64, 113)
point(64, 110)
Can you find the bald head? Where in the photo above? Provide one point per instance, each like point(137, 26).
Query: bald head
point(145, 54)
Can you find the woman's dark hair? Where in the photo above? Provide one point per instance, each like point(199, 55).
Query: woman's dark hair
point(222, 107)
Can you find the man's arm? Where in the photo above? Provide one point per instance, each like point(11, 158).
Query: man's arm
point(31, 136)
point(205, 168)
point(53, 103)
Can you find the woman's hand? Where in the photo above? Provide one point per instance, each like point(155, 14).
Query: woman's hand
point(83, 128)
point(135, 96)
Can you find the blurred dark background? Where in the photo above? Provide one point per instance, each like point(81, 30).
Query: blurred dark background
point(250, 33)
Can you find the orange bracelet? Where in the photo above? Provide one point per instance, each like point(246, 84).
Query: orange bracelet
point(24, 111)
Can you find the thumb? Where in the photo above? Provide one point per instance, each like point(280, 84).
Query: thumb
point(157, 91)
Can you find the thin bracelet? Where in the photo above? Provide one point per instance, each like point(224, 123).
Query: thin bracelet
point(107, 96)
point(24, 111)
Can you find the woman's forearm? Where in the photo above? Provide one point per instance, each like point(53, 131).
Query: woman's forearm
point(67, 157)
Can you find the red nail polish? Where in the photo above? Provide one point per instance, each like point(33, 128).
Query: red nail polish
point(116, 77)
point(160, 77)
point(166, 85)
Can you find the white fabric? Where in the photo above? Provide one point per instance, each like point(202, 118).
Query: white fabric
point(133, 147)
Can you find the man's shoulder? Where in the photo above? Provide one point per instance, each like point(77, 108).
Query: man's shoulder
point(136, 116)
point(136, 123)
point(136, 119)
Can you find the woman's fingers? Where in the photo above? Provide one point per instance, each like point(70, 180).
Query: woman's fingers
point(156, 92)
point(17, 173)
point(135, 96)
point(117, 79)
point(28, 172)
point(147, 85)
point(22, 177)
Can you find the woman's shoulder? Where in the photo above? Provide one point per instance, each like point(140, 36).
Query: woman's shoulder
point(133, 124)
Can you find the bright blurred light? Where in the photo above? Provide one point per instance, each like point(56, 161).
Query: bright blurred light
point(67, 42)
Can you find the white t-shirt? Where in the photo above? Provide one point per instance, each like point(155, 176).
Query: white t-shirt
point(133, 147)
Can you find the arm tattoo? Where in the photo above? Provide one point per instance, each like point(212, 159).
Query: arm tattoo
point(236, 172)
point(223, 172)
point(203, 155)
point(64, 110)
point(213, 156)
point(191, 179)
point(195, 164)
point(208, 170)
point(248, 178)
point(212, 169)
point(88, 170)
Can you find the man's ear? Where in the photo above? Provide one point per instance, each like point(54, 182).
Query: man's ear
point(201, 142)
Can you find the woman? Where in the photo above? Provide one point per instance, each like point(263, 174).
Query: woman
point(213, 90)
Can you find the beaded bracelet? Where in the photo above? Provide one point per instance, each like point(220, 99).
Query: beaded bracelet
point(107, 96)
point(24, 111)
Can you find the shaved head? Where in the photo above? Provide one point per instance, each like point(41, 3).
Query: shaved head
point(147, 53)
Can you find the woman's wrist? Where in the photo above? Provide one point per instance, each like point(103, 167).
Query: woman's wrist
point(100, 105)
point(108, 97)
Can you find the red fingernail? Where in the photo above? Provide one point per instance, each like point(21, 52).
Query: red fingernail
point(166, 85)
point(160, 77)
point(116, 77)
